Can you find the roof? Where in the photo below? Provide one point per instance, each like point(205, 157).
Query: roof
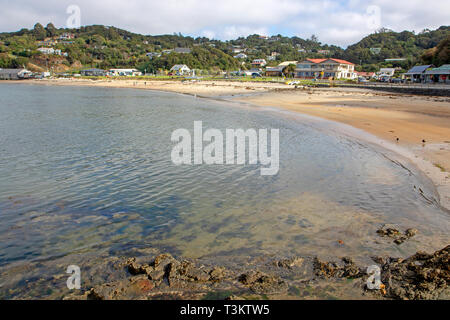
point(275, 69)
point(341, 61)
point(363, 73)
point(316, 60)
point(94, 69)
point(286, 63)
point(444, 69)
point(179, 66)
point(9, 71)
point(419, 69)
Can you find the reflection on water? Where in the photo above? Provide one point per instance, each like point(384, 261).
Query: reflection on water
point(85, 170)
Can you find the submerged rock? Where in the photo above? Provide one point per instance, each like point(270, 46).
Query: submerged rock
point(345, 269)
point(395, 234)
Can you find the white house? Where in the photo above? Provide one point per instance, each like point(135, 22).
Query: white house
point(180, 69)
point(125, 72)
point(151, 55)
point(46, 50)
point(259, 62)
point(326, 68)
point(240, 56)
point(386, 71)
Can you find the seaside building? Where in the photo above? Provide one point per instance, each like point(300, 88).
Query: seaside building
point(417, 73)
point(274, 71)
point(441, 74)
point(389, 72)
point(94, 72)
point(124, 72)
point(325, 68)
point(180, 69)
point(367, 75)
point(14, 74)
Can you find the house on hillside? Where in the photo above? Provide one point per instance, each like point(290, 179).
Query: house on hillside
point(66, 36)
point(14, 74)
point(152, 55)
point(94, 72)
point(417, 73)
point(180, 69)
point(240, 56)
point(46, 50)
point(324, 52)
point(237, 50)
point(259, 62)
point(182, 50)
point(325, 68)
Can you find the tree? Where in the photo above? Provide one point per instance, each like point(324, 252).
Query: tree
point(51, 30)
point(314, 38)
point(289, 70)
point(39, 32)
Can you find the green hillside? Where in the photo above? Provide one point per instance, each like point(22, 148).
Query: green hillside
point(109, 47)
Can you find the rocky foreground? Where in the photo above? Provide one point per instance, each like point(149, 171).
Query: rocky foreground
point(421, 276)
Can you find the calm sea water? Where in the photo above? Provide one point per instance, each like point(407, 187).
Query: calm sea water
point(85, 170)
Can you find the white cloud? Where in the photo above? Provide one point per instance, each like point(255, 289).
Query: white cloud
point(336, 22)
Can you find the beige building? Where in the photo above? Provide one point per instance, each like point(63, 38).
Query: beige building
point(325, 68)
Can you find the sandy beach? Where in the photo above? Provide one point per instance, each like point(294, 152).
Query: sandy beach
point(420, 123)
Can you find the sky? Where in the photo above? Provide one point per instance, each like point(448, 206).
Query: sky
point(339, 22)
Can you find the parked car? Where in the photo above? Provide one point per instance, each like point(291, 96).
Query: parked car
point(396, 80)
point(256, 75)
point(362, 80)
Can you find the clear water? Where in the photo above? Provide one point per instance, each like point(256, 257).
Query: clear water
point(86, 170)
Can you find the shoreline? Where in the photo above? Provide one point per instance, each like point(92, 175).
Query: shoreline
point(381, 116)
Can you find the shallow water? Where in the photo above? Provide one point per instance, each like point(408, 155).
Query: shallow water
point(86, 170)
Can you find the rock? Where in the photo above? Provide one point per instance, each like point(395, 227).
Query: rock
point(289, 263)
point(395, 234)
point(332, 269)
point(411, 232)
point(217, 274)
point(260, 283)
point(421, 276)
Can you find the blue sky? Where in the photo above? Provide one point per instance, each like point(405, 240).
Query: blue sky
point(340, 22)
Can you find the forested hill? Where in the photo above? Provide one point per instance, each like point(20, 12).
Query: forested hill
point(108, 47)
point(386, 44)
